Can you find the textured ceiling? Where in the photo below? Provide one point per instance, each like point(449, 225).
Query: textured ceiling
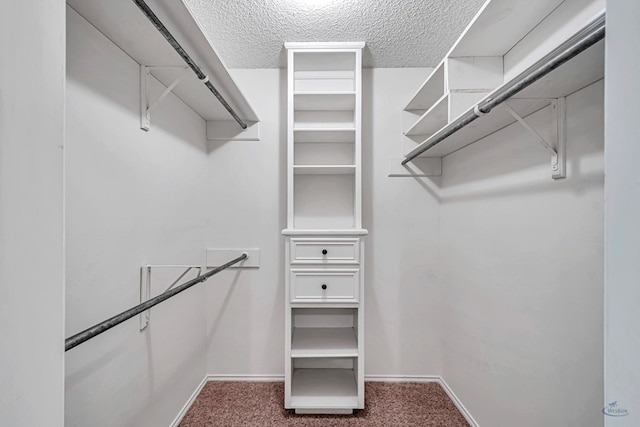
point(398, 33)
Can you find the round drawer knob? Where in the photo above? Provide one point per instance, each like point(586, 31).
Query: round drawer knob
point(324, 252)
point(324, 286)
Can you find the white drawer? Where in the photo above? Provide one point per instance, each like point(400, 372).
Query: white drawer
point(333, 285)
point(325, 251)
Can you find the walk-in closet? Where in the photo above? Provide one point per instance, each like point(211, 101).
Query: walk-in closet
point(319, 212)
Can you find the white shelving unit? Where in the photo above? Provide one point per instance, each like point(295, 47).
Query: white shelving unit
point(324, 349)
point(126, 26)
point(506, 40)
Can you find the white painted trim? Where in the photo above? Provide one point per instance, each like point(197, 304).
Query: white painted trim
point(178, 419)
point(245, 377)
point(324, 45)
point(325, 232)
point(402, 378)
point(465, 413)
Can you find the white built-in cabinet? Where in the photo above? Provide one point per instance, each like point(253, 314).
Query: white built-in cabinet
point(324, 334)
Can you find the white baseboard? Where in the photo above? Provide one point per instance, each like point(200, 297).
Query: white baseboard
point(245, 377)
point(465, 413)
point(187, 405)
point(370, 378)
point(402, 378)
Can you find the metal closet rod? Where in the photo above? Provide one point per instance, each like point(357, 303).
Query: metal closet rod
point(485, 107)
point(101, 327)
point(174, 43)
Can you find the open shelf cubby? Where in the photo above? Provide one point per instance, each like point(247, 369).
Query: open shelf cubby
point(324, 200)
point(319, 101)
point(324, 332)
point(324, 134)
point(324, 119)
point(324, 387)
point(324, 153)
point(324, 169)
point(324, 71)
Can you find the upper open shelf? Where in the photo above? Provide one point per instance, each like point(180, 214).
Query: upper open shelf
point(499, 25)
point(505, 45)
point(127, 27)
point(586, 68)
point(319, 101)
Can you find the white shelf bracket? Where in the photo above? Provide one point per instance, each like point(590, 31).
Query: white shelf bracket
point(145, 106)
point(145, 286)
point(557, 146)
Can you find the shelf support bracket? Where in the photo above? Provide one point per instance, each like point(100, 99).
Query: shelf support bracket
point(557, 146)
point(145, 106)
point(145, 286)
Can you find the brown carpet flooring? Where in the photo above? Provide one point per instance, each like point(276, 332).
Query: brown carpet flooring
point(261, 404)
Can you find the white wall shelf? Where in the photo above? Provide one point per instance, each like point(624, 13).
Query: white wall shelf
point(328, 119)
point(433, 119)
point(585, 69)
point(499, 25)
point(474, 73)
point(325, 232)
point(324, 388)
point(324, 170)
point(126, 26)
point(324, 135)
point(324, 342)
point(430, 91)
point(324, 153)
point(319, 101)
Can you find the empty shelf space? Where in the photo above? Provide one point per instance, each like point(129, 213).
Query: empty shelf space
point(324, 342)
point(433, 120)
point(324, 201)
point(324, 80)
point(324, 388)
point(323, 101)
point(581, 71)
point(324, 120)
point(432, 90)
point(500, 25)
point(324, 153)
point(324, 169)
point(324, 135)
point(324, 62)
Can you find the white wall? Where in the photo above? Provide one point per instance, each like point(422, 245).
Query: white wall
point(133, 198)
point(402, 285)
point(622, 210)
point(522, 259)
point(31, 183)
point(245, 308)
point(246, 317)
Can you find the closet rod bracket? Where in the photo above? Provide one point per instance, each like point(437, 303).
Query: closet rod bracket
point(145, 285)
point(145, 105)
point(557, 145)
